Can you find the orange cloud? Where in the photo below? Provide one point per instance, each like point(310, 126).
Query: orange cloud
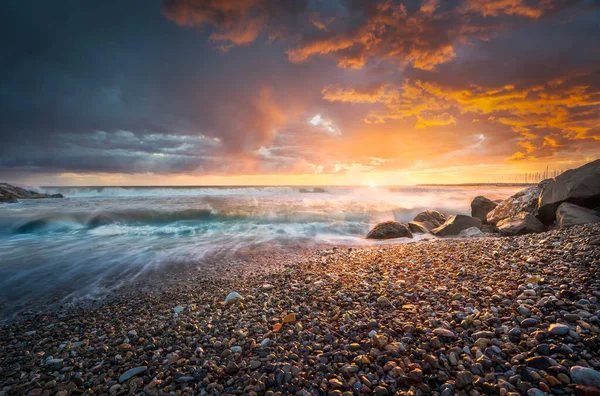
point(547, 117)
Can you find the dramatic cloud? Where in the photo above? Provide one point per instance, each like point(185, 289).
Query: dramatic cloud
point(313, 87)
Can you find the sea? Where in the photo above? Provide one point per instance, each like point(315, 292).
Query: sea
point(99, 239)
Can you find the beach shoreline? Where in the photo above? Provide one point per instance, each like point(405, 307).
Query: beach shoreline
point(447, 315)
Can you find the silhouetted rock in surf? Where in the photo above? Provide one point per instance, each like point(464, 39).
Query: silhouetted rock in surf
point(388, 230)
point(12, 194)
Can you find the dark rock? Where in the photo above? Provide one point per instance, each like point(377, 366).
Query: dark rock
point(522, 223)
point(455, 224)
point(585, 376)
point(538, 362)
point(420, 226)
point(390, 229)
point(579, 186)
point(432, 216)
point(12, 194)
point(481, 206)
point(568, 215)
point(523, 201)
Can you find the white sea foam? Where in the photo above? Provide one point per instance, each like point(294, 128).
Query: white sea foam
point(95, 240)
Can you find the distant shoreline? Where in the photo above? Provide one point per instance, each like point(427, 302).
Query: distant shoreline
point(305, 186)
point(476, 185)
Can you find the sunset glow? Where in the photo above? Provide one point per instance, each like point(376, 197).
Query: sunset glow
point(257, 92)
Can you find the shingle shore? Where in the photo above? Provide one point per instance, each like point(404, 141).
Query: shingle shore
point(466, 316)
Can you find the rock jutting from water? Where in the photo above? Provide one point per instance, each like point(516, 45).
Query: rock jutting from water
point(390, 229)
point(12, 194)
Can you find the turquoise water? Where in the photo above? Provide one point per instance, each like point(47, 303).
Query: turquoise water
point(97, 239)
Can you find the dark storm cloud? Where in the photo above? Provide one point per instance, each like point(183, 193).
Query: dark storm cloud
point(231, 86)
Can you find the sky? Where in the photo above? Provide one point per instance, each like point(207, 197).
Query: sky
point(347, 92)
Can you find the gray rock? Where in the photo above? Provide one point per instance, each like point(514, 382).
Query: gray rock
point(132, 373)
point(455, 224)
point(471, 232)
point(523, 201)
point(481, 206)
point(568, 215)
point(579, 186)
point(585, 376)
point(390, 229)
point(232, 298)
point(522, 223)
point(464, 378)
point(432, 216)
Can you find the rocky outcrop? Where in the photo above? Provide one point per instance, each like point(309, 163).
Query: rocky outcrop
point(431, 216)
point(523, 201)
point(390, 229)
point(12, 194)
point(568, 215)
point(522, 223)
point(420, 226)
point(481, 206)
point(579, 186)
point(455, 224)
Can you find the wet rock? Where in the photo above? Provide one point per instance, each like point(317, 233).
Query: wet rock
point(520, 224)
point(390, 229)
point(431, 216)
point(455, 224)
point(420, 226)
point(481, 206)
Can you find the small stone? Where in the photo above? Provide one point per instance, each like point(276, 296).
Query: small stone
point(232, 368)
point(254, 364)
point(444, 332)
point(559, 329)
point(383, 301)
point(178, 309)
point(464, 379)
point(233, 298)
point(132, 373)
point(585, 376)
point(289, 318)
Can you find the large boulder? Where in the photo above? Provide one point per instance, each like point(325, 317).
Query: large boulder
point(524, 201)
point(568, 215)
point(11, 194)
point(481, 206)
point(579, 186)
point(420, 226)
point(520, 224)
point(390, 229)
point(455, 224)
point(432, 216)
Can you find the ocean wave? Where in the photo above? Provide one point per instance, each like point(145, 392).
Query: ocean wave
point(98, 192)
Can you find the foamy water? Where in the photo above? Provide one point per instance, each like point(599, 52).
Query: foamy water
point(97, 239)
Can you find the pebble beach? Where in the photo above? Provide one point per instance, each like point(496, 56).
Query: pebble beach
point(488, 315)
